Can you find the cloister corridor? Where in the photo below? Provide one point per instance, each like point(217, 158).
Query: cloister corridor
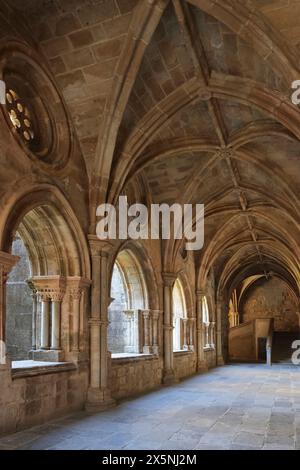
point(250, 406)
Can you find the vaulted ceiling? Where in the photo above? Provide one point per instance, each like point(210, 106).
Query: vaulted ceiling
point(189, 100)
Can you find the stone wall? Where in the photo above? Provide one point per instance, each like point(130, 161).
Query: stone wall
point(132, 376)
point(184, 364)
point(210, 358)
point(28, 401)
point(271, 299)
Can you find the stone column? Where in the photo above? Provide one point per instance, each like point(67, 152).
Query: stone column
point(7, 262)
point(34, 319)
point(45, 321)
point(168, 373)
point(192, 321)
point(76, 286)
point(50, 290)
point(212, 334)
point(201, 363)
point(75, 295)
point(184, 333)
point(155, 318)
point(147, 346)
point(56, 300)
point(99, 396)
point(219, 346)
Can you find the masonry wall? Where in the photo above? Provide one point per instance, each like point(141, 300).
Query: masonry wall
point(185, 364)
point(210, 358)
point(272, 299)
point(132, 376)
point(28, 401)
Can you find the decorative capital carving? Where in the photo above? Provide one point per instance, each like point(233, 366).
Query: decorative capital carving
point(49, 287)
point(155, 314)
point(200, 293)
point(76, 285)
point(100, 247)
point(169, 279)
point(57, 295)
point(146, 314)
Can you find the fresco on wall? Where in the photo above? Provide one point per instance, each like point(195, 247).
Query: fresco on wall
point(272, 299)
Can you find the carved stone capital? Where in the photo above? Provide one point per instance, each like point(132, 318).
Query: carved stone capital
point(146, 314)
point(100, 247)
point(200, 293)
point(76, 285)
point(49, 287)
point(169, 279)
point(155, 314)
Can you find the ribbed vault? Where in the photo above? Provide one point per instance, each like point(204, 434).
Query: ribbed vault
point(194, 99)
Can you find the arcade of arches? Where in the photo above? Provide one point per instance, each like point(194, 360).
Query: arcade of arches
point(164, 101)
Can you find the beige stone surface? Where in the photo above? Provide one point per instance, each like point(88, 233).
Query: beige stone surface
point(180, 101)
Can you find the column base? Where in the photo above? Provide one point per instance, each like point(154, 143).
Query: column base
point(202, 366)
point(99, 400)
point(220, 361)
point(169, 377)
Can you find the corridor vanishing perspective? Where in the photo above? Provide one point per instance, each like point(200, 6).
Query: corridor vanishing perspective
point(149, 224)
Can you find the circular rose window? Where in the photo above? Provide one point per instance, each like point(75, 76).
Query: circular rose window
point(34, 109)
point(19, 116)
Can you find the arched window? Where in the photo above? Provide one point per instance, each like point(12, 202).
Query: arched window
point(45, 287)
point(128, 307)
point(179, 316)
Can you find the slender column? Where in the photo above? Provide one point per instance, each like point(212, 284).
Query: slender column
point(201, 363)
point(155, 317)
point(192, 321)
point(56, 299)
point(45, 321)
point(147, 347)
point(7, 262)
point(76, 288)
point(168, 373)
point(206, 335)
point(34, 317)
point(220, 358)
point(184, 333)
point(75, 295)
point(212, 334)
point(99, 396)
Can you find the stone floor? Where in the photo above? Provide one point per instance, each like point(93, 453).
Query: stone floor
point(231, 407)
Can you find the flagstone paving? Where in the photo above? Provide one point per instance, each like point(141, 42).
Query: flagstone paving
point(230, 407)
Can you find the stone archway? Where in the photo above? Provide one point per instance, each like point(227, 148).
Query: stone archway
point(57, 271)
